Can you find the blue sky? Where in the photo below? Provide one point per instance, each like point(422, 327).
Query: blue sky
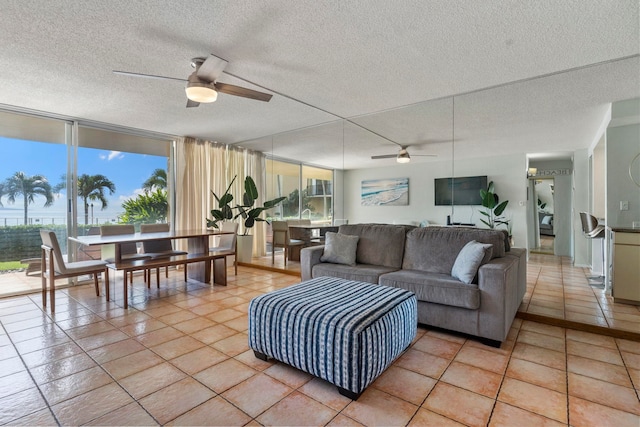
point(127, 170)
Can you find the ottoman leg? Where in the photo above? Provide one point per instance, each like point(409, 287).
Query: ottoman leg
point(348, 393)
point(260, 356)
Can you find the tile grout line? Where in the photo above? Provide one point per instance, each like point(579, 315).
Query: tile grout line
point(98, 364)
point(566, 374)
point(510, 357)
point(44, 399)
point(192, 376)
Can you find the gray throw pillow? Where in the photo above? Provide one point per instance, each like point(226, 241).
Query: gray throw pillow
point(472, 255)
point(340, 248)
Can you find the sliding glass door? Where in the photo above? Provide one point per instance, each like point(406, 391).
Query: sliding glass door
point(70, 178)
point(34, 158)
point(317, 194)
point(121, 179)
point(283, 180)
point(308, 191)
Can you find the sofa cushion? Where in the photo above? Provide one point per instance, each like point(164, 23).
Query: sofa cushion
point(472, 255)
point(379, 244)
point(359, 272)
point(340, 249)
point(434, 287)
point(435, 249)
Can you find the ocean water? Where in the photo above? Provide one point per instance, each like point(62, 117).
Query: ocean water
point(378, 192)
point(10, 215)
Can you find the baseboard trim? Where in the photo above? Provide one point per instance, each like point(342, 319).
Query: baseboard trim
point(569, 324)
point(267, 268)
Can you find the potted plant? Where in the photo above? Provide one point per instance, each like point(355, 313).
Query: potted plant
point(250, 215)
point(493, 208)
point(224, 211)
point(247, 210)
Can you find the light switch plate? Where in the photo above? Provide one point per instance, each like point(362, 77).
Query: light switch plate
point(624, 205)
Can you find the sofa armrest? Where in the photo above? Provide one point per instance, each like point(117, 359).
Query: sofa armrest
point(498, 285)
point(309, 257)
point(521, 255)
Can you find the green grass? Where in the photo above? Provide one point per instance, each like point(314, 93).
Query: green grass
point(11, 265)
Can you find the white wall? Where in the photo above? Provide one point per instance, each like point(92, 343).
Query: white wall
point(581, 248)
point(562, 224)
point(623, 144)
point(338, 195)
point(507, 172)
point(598, 206)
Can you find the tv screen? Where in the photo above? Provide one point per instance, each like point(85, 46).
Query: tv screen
point(459, 191)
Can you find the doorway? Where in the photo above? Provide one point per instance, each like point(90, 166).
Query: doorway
point(543, 190)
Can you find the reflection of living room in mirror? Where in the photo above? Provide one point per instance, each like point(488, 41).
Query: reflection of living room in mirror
point(544, 192)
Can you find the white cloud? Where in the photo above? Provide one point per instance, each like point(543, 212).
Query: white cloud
point(112, 155)
point(136, 193)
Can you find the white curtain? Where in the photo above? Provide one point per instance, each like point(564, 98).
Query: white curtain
point(205, 166)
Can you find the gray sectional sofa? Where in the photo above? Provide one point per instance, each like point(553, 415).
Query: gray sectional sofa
point(421, 260)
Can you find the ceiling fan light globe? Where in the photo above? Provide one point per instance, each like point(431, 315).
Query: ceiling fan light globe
point(403, 157)
point(202, 93)
point(199, 90)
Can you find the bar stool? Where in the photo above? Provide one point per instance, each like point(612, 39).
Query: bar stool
point(592, 230)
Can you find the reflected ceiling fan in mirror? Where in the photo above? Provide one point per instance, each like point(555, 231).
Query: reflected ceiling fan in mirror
point(202, 84)
point(402, 156)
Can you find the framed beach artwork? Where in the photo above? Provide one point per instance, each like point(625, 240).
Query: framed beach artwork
point(385, 192)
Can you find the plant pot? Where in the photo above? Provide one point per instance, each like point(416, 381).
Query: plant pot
point(245, 248)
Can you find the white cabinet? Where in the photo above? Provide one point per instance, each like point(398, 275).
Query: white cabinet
point(626, 267)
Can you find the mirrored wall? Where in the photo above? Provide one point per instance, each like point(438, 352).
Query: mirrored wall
point(489, 133)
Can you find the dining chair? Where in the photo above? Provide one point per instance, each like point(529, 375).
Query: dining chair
point(54, 267)
point(227, 242)
point(162, 248)
point(281, 239)
point(129, 250)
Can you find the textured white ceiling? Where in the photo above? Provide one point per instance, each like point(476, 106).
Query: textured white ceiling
point(362, 59)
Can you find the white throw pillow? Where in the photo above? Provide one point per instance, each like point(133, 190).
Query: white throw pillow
point(546, 220)
point(340, 248)
point(469, 260)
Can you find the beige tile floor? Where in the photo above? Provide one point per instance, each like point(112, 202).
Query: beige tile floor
point(179, 356)
point(557, 289)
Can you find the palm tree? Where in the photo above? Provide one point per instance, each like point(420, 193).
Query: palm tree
point(28, 187)
point(92, 187)
point(157, 180)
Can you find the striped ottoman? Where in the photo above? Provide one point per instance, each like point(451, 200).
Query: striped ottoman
point(342, 331)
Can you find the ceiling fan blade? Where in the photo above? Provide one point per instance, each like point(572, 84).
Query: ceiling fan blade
point(212, 68)
point(424, 155)
point(191, 103)
point(146, 76)
point(386, 156)
point(243, 92)
point(428, 141)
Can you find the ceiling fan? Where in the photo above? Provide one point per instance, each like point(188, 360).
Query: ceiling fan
point(402, 156)
point(202, 84)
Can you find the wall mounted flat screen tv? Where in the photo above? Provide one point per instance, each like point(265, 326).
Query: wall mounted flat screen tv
point(459, 191)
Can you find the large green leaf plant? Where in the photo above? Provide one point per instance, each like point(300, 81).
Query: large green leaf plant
point(223, 212)
point(247, 210)
point(493, 208)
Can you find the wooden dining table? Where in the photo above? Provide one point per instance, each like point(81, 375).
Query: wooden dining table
point(197, 243)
